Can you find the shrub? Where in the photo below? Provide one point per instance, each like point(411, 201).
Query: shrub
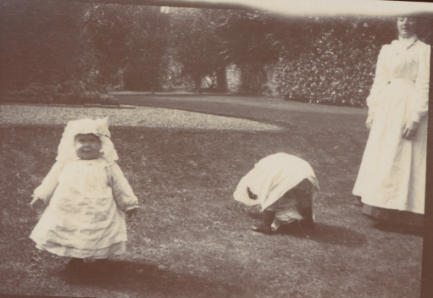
point(68, 92)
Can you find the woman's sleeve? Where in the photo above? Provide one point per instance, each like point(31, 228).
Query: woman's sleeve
point(380, 79)
point(49, 184)
point(122, 191)
point(422, 83)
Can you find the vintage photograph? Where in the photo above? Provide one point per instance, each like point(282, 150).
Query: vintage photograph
point(215, 148)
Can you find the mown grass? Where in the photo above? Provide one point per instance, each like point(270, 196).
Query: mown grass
point(191, 239)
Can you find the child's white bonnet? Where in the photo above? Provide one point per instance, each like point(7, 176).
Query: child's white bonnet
point(98, 127)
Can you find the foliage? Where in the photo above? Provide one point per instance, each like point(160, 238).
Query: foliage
point(128, 43)
point(68, 92)
point(251, 40)
point(45, 55)
point(338, 66)
point(206, 41)
point(195, 42)
point(105, 46)
point(40, 42)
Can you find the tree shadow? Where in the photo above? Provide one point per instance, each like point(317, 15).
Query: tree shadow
point(147, 280)
point(325, 233)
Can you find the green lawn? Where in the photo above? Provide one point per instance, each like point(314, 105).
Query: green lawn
point(191, 239)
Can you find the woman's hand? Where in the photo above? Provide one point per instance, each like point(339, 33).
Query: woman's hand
point(131, 212)
point(409, 130)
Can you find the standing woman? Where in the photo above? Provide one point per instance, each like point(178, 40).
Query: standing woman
point(392, 176)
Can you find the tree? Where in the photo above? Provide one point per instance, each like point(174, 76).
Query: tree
point(40, 42)
point(129, 41)
point(195, 43)
point(255, 39)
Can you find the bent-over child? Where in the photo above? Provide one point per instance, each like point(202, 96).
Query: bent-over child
point(284, 186)
point(87, 196)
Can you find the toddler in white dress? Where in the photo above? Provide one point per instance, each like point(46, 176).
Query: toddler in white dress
point(87, 196)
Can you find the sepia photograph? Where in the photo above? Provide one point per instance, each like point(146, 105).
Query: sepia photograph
point(203, 148)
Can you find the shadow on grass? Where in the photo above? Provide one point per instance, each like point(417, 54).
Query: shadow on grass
point(321, 232)
point(325, 233)
point(400, 229)
point(255, 215)
point(147, 280)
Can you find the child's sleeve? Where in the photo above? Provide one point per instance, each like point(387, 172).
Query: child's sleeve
point(49, 184)
point(122, 191)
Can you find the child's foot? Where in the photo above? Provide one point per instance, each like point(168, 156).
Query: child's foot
point(262, 229)
point(358, 201)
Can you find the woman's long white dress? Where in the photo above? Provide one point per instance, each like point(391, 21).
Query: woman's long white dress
point(392, 174)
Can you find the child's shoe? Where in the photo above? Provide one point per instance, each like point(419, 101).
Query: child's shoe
point(262, 229)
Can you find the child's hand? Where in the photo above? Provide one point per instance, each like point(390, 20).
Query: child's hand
point(409, 130)
point(251, 195)
point(131, 212)
point(37, 203)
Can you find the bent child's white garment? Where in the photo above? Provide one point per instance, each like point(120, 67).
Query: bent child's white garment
point(392, 174)
point(85, 215)
point(271, 178)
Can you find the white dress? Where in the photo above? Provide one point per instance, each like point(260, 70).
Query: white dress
point(392, 174)
point(85, 215)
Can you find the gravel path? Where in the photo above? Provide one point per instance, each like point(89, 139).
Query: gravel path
point(139, 116)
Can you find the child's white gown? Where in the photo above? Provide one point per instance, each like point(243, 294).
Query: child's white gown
point(85, 215)
point(271, 178)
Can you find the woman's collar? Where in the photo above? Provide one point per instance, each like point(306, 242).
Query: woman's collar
point(407, 42)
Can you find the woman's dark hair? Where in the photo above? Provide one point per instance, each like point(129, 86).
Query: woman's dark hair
point(424, 23)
